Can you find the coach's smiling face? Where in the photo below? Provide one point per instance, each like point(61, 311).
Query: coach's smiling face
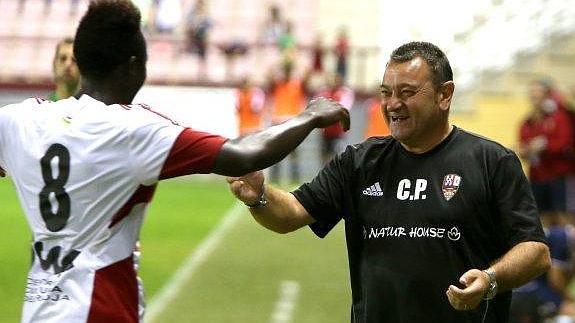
point(415, 111)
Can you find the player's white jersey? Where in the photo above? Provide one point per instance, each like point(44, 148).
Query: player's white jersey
point(84, 174)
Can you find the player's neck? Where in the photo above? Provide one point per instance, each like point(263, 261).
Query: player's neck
point(107, 94)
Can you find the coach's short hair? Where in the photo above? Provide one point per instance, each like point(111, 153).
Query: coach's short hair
point(434, 57)
point(107, 36)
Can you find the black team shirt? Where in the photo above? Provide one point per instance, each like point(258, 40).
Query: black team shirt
point(415, 223)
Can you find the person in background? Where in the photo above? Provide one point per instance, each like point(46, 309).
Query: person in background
point(375, 122)
point(318, 52)
point(197, 26)
point(288, 94)
point(548, 296)
point(65, 71)
point(332, 136)
point(546, 143)
point(440, 223)
point(287, 44)
point(86, 168)
point(250, 101)
point(341, 51)
point(273, 28)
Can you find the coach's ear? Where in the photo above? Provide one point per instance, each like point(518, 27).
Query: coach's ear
point(446, 94)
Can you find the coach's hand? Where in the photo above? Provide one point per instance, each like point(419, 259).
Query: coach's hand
point(328, 112)
point(247, 188)
point(475, 285)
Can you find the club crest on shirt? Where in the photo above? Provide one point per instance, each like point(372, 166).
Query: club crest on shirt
point(450, 185)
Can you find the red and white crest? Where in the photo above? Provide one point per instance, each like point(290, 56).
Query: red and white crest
point(450, 185)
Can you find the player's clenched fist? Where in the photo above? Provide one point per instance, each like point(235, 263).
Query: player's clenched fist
point(328, 112)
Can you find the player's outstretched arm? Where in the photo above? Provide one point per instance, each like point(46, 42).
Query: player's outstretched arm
point(266, 147)
point(282, 213)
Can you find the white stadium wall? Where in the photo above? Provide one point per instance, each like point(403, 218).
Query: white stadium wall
point(201, 108)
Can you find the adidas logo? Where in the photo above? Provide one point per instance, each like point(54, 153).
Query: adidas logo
point(373, 190)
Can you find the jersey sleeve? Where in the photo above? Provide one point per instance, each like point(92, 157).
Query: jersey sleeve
point(515, 202)
point(193, 152)
point(324, 198)
point(160, 148)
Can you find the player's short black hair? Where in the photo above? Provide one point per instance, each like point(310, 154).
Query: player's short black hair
point(434, 57)
point(107, 36)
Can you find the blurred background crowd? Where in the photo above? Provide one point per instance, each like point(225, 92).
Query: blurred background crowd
point(514, 72)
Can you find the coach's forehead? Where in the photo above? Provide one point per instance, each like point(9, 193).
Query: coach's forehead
point(412, 71)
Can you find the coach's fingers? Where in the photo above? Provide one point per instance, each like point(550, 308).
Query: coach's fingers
point(454, 297)
point(233, 179)
point(244, 191)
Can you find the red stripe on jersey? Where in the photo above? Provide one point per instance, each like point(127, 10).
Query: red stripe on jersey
point(115, 295)
point(147, 107)
point(193, 152)
point(143, 194)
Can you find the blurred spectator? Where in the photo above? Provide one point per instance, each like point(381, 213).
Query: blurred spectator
point(318, 52)
point(548, 296)
point(546, 143)
point(288, 94)
point(273, 28)
point(375, 120)
point(198, 23)
point(332, 136)
point(287, 44)
point(342, 52)
point(65, 71)
point(166, 14)
point(250, 103)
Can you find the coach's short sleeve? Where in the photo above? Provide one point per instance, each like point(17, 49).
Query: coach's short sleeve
point(326, 197)
point(515, 203)
point(162, 149)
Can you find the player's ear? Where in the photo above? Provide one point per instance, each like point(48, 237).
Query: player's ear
point(133, 65)
point(446, 94)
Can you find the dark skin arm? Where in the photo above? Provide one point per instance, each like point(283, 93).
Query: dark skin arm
point(266, 147)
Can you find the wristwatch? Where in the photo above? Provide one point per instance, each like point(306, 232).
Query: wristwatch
point(492, 291)
point(261, 202)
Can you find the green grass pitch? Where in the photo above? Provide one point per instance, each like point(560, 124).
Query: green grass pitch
point(239, 282)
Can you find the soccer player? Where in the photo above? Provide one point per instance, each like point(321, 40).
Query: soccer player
point(440, 223)
point(65, 69)
point(86, 167)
